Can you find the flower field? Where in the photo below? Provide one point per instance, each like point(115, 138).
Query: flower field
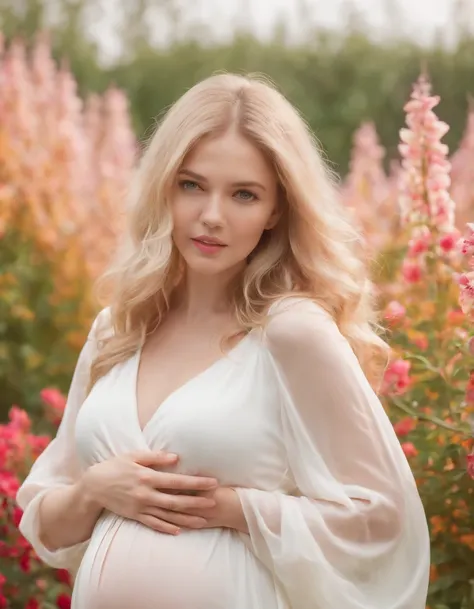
point(64, 166)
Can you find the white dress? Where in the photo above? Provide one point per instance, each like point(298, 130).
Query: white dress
point(288, 418)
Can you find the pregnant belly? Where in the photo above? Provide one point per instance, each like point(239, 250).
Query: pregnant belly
point(132, 566)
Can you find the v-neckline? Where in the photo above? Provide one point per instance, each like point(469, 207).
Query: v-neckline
point(191, 381)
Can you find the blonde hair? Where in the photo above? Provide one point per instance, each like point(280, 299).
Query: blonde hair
point(314, 251)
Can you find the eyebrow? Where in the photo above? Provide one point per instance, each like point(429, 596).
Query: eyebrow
point(243, 184)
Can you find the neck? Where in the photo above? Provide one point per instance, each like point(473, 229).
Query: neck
point(202, 296)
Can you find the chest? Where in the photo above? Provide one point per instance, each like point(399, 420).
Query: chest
point(164, 367)
point(224, 422)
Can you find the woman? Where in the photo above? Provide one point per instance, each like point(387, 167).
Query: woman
point(223, 446)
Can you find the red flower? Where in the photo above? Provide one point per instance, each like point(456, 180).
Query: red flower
point(470, 465)
point(63, 576)
point(25, 562)
point(63, 601)
point(9, 484)
point(403, 427)
point(409, 449)
point(16, 516)
point(32, 604)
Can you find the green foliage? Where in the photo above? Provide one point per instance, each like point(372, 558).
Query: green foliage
point(40, 337)
point(336, 80)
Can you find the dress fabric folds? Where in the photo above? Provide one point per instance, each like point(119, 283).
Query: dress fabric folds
point(288, 418)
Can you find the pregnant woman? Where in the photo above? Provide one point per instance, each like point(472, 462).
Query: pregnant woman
point(223, 446)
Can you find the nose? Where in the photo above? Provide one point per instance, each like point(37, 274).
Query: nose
point(212, 213)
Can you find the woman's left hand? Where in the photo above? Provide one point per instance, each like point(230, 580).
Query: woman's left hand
point(226, 513)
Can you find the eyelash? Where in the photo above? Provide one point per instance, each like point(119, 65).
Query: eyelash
point(184, 183)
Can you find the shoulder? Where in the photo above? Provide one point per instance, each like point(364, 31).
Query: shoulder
point(101, 326)
point(295, 322)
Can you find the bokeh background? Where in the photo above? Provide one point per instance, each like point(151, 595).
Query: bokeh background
point(387, 87)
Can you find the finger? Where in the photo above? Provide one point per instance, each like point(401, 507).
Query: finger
point(179, 503)
point(150, 459)
point(183, 482)
point(158, 525)
point(181, 520)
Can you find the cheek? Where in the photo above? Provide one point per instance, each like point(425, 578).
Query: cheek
point(250, 226)
point(182, 215)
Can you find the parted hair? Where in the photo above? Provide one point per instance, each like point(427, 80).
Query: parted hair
point(314, 251)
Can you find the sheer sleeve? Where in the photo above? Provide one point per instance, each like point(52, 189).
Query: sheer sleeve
point(353, 535)
point(57, 465)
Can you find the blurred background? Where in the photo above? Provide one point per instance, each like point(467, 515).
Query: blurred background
point(82, 83)
point(341, 62)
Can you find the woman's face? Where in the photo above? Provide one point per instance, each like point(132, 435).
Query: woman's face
point(225, 196)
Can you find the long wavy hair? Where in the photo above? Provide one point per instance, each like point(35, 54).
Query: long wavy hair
point(314, 251)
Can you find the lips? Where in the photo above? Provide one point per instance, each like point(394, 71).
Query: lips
point(209, 241)
point(208, 245)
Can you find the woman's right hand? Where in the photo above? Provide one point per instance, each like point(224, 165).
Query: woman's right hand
point(129, 486)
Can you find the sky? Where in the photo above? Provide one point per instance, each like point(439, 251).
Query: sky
point(418, 19)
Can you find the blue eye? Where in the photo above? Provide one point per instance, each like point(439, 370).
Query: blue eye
point(188, 185)
point(247, 195)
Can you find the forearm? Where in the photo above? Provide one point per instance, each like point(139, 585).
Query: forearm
point(67, 516)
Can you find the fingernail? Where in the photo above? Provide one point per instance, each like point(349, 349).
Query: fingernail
point(177, 532)
point(171, 456)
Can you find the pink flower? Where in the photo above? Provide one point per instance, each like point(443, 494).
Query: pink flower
point(54, 398)
point(467, 244)
point(425, 177)
point(404, 427)
point(411, 271)
point(409, 449)
point(466, 294)
point(38, 444)
point(449, 241)
point(41, 584)
point(19, 419)
point(396, 378)
point(394, 311)
point(420, 241)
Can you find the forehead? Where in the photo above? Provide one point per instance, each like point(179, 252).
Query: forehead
point(231, 155)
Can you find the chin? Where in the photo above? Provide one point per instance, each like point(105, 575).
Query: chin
point(205, 267)
point(209, 266)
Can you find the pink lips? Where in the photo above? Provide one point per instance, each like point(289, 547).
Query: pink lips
point(208, 245)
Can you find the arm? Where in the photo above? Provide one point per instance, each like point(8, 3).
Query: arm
point(354, 534)
point(58, 517)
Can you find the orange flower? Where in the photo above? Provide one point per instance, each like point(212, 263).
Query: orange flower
point(455, 317)
point(437, 525)
point(467, 540)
